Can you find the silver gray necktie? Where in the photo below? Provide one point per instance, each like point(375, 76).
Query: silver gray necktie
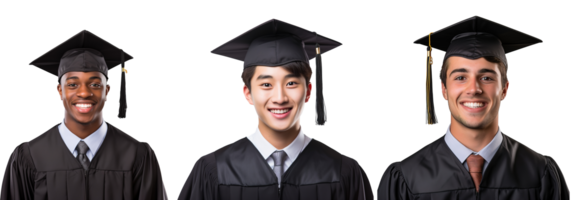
point(82, 148)
point(279, 160)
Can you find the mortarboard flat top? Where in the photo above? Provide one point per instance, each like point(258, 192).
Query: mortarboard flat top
point(477, 37)
point(274, 43)
point(87, 45)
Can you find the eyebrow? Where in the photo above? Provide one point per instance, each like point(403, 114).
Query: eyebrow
point(482, 71)
point(264, 76)
point(91, 78)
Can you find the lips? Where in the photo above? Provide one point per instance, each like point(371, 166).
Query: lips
point(473, 106)
point(280, 113)
point(472, 101)
point(83, 107)
point(279, 109)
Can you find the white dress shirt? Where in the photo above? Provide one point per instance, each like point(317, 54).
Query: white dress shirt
point(292, 150)
point(462, 152)
point(94, 140)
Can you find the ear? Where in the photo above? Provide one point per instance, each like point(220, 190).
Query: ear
point(444, 91)
point(60, 91)
point(505, 90)
point(248, 95)
point(107, 90)
point(309, 93)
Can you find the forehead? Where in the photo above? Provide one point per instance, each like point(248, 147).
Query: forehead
point(272, 71)
point(84, 75)
point(456, 62)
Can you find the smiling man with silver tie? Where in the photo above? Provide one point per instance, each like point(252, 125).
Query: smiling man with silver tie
point(278, 161)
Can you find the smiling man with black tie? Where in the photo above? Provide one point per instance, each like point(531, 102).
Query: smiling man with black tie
point(83, 157)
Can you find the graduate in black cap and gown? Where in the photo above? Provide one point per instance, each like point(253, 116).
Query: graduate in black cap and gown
point(83, 157)
point(278, 161)
point(474, 160)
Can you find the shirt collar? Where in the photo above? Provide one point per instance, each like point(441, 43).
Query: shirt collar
point(462, 152)
point(94, 140)
point(266, 149)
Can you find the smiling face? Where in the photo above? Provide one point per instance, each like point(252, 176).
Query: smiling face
point(278, 96)
point(83, 95)
point(474, 90)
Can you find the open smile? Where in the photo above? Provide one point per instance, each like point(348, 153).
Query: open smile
point(473, 106)
point(83, 107)
point(280, 113)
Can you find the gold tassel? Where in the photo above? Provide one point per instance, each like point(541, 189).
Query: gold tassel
point(431, 118)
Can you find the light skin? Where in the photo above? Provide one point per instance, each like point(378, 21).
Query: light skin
point(278, 97)
point(474, 92)
point(83, 95)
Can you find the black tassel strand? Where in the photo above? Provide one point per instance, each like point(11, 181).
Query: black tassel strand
point(431, 118)
point(320, 104)
point(122, 111)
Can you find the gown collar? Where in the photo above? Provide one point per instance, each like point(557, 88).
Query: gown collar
point(462, 152)
point(266, 149)
point(94, 140)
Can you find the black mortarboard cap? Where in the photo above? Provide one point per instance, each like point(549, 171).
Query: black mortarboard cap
point(472, 38)
point(276, 43)
point(85, 52)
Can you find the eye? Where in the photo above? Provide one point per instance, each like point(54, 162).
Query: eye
point(95, 85)
point(267, 85)
point(459, 78)
point(71, 85)
point(291, 83)
point(486, 78)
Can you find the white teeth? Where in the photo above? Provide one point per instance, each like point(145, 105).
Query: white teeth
point(84, 105)
point(282, 111)
point(473, 104)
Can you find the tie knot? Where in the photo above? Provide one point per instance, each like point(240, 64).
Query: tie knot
point(279, 157)
point(475, 163)
point(82, 147)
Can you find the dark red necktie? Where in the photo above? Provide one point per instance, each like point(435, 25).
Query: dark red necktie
point(475, 164)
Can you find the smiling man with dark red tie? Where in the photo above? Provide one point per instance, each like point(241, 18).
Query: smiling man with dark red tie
point(474, 160)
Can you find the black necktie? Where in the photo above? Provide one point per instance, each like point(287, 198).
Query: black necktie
point(82, 148)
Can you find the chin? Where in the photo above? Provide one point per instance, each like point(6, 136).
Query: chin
point(472, 123)
point(279, 126)
point(82, 119)
point(477, 125)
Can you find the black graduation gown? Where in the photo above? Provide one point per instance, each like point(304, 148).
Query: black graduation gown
point(44, 169)
point(239, 172)
point(515, 173)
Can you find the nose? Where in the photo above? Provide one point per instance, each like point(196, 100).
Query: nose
point(84, 92)
point(279, 96)
point(474, 88)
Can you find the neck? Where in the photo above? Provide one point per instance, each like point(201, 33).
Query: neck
point(279, 139)
point(82, 130)
point(474, 139)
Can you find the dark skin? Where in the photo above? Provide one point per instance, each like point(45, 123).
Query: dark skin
point(83, 95)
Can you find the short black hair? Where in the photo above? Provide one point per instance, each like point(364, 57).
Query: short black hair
point(59, 82)
point(491, 59)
